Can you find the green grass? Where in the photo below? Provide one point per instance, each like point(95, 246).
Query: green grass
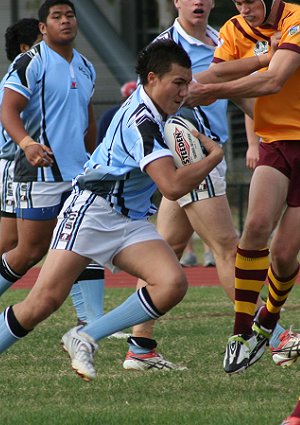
point(37, 386)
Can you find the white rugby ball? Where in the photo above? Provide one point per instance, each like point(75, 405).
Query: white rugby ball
point(185, 147)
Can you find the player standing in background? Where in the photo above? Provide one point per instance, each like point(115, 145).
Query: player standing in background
point(19, 38)
point(205, 210)
point(274, 197)
point(105, 217)
point(53, 146)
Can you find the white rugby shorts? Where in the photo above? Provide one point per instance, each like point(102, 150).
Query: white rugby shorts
point(88, 226)
point(40, 200)
point(213, 185)
point(6, 186)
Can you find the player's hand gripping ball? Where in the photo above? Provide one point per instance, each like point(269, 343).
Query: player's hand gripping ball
point(185, 147)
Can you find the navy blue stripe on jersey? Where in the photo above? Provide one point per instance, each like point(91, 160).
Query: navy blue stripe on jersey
point(210, 133)
point(21, 67)
point(87, 68)
point(54, 168)
point(118, 195)
point(149, 131)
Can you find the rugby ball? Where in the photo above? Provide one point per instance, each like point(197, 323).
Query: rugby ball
point(185, 147)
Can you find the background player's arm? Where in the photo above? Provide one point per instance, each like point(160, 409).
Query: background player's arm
point(91, 134)
point(252, 154)
point(13, 104)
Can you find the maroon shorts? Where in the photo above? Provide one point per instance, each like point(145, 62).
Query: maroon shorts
point(284, 155)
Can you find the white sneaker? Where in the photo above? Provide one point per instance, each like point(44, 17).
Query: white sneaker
point(288, 350)
point(119, 335)
point(152, 360)
point(81, 348)
point(243, 351)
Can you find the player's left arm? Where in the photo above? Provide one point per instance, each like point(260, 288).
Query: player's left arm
point(283, 64)
point(232, 70)
point(91, 134)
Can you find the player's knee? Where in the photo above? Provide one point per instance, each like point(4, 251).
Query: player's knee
point(31, 255)
point(226, 248)
point(282, 257)
point(257, 228)
point(178, 287)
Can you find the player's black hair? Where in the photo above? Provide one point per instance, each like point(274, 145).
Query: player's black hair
point(24, 31)
point(44, 9)
point(158, 57)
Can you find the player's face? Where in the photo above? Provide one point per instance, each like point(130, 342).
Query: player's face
point(61, 25)
point(252, 11)
point(169, 91)
point(194, 12)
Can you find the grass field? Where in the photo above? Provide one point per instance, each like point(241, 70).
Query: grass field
point(38, 387)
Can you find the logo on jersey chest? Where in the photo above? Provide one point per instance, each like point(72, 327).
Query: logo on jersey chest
point(261, 47)
point(294, 30)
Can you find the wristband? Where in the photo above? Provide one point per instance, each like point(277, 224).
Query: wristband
point(27, 141)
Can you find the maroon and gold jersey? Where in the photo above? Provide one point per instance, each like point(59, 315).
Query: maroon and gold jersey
point(276, 117)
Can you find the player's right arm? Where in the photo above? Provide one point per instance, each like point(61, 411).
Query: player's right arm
point(13, 103)
point(172, 182)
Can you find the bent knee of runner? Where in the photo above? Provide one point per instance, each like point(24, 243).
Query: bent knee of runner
point(171, 292)
point(25, 258)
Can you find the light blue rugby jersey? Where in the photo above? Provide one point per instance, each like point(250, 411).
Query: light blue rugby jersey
point(115, 169)
point(7, 147)
point(56, 115)
point(212, 118)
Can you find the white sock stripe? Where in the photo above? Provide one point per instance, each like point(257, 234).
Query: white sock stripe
point(8, 327)
point(16, 275)
point(146, 306)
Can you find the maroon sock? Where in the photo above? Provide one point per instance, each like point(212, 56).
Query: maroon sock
point(266, 319)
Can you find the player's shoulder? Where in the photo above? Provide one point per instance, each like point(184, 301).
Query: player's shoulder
point(30, 59)
point(167, 34)
point(290, 13)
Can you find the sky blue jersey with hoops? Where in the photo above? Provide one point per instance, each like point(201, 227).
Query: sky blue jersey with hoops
point(115, 170)
point(56, 114)
point(212, 118)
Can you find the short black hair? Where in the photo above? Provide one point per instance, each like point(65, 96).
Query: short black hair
point(158, 57)
point(44, 9)
point(24, 31)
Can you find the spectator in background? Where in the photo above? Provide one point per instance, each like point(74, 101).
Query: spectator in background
point(126, 90)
